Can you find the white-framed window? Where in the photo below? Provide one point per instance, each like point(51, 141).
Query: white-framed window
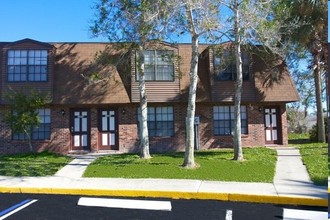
point(27, 65)
point(42, 132)
point(160, 121)
point(158, 65)
point(225, 66)
point(223, 120)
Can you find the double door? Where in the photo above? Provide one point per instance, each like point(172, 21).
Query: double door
point(107, 130)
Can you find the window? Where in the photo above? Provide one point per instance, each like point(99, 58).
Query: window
point(42, 132)
point(158, 65)
point(225, 66)
point(27, 65)
point(160, 121)
point(223, 117)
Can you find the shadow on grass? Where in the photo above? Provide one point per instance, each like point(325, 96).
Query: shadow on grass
point(28, 156)
point(320, 181)
point(135, 159)
point(24, 169)
point(204, 153)
point(300, 141)
point(31, 164)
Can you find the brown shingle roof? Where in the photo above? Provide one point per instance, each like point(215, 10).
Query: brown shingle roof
point(76, 65)
point(274, 84)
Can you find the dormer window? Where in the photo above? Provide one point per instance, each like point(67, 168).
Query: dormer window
point(225, 66)
point(27, 65)
point(158, 65)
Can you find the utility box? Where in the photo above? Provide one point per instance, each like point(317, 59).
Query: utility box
point(196, 131)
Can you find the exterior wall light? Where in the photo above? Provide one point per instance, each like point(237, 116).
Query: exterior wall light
point(62, 112)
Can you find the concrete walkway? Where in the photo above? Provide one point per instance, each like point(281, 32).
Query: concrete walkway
point(291, 177)
point(291, 184)
point(77, 167)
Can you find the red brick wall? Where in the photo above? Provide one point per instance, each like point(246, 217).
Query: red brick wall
point(128, 131)
point(285, 140)
point(60, 130)
point(60, 140)
point(255, 137)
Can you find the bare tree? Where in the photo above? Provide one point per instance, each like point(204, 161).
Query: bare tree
point(250, 23)
point(134, 22)
point(198, 18)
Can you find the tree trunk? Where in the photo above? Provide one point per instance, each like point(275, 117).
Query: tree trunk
point(238, 152)
point(318, 94)
point(29, 139)
point(144, 135)
point(189, 161)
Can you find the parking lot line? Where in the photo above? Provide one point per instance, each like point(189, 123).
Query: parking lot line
point(126, 203)
point(303, 214)
point(229, 214)
point(15, 208)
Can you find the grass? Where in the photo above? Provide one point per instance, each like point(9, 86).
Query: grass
point(259, 166)
point(31, 164)
point(314, 156)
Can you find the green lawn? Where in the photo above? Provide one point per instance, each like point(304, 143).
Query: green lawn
point(259, 166)
point(314, 155)
point(32, 164)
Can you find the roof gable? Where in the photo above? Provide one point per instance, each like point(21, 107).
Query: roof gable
point(30, 42)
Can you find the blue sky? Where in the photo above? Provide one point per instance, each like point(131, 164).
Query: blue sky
point(46, 20)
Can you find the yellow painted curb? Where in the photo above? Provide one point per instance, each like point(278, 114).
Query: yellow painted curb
point(174, 195)
point(10, 190)
point(283, 200)
point(303, 201)
point(253, 198)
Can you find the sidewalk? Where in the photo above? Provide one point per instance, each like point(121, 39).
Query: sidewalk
point(291, 184)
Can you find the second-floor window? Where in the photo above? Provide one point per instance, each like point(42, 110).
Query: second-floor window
point(158, 65)
point(27, 65)
point(225, 66)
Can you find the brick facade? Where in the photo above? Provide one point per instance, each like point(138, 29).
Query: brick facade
point(71, 92)
point(128, 132)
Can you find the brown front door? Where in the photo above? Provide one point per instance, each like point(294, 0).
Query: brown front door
point(80, 130)
point(108, 130)
point(272, 126)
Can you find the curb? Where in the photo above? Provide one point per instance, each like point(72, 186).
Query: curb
point(233, 197)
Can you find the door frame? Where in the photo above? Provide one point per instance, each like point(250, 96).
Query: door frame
point(88, 132)
point(278, 127)
point(115, 131)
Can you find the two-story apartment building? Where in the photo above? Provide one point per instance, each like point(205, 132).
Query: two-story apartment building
point(94, 96)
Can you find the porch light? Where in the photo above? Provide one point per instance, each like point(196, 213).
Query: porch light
point(62, 112)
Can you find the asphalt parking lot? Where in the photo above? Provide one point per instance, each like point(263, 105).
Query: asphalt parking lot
point(66, 207)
